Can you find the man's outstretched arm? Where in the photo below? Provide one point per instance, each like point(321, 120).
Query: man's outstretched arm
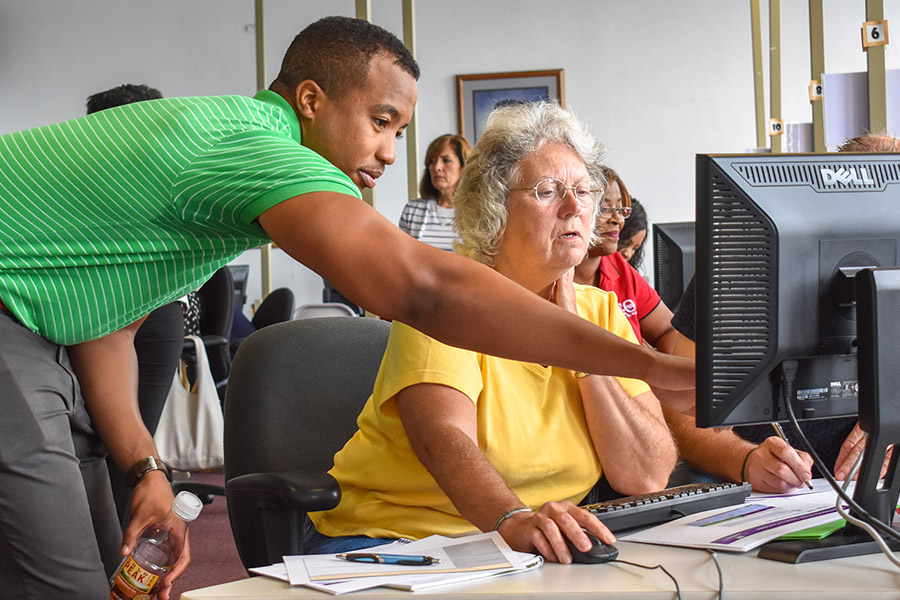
point(451, 298)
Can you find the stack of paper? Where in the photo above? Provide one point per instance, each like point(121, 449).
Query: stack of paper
point(461, 559)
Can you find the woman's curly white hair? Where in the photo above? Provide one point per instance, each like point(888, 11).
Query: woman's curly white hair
point(513, 133)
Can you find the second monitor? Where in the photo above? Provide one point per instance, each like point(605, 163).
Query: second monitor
point(673, 260)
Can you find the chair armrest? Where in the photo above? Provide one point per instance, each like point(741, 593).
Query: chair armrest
point(310, 491)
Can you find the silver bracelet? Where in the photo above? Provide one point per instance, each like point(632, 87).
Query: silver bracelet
point(510, 513)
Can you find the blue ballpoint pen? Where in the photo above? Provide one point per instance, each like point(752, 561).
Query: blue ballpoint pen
point(389, 559)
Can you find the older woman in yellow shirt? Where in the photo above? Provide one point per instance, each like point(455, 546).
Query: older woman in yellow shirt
point(453, 440)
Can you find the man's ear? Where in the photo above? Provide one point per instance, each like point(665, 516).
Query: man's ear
point(308, 96)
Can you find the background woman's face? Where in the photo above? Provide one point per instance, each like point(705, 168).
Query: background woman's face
point(627, 248)
point(445, 170)
point(608, 226)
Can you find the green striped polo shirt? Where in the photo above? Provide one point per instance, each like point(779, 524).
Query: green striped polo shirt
point(108, 216)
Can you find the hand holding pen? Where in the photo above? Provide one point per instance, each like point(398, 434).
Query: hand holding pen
point(775, 467)
point(389, 559)
point(778, 430)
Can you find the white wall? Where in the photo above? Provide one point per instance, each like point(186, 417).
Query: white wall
point(658, 81)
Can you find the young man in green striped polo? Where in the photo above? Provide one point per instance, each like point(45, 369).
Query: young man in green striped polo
point(106, 217)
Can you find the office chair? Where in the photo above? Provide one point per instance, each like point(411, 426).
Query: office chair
point(277, 307)
point(295, 392)
point(323, 309)
point(216, 317)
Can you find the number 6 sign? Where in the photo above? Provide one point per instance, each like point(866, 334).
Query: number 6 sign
point(874, 33)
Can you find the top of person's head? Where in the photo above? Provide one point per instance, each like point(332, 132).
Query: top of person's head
point(636, 221)
point(511, 135)
point(335, 52)
point(610, 174)
point(123, 94)
point(461, 147)
point(871, 142)
point(634, 224)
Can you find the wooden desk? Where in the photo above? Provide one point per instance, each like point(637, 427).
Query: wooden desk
point(745, 577)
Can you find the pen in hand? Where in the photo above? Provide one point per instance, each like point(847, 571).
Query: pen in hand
point(389, 559)
point(780, 432)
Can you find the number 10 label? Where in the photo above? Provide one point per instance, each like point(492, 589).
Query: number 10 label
point(776, 127)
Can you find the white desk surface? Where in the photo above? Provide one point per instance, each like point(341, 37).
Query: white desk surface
point(745, 576)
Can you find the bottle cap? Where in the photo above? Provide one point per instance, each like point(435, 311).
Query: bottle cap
point(186, 506)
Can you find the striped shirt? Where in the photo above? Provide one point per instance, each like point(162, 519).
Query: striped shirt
point(429, 222)
point(109, 216)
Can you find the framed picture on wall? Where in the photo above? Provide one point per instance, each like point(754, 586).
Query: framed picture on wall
point(479, 94)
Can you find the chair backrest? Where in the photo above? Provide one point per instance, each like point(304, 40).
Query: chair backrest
point(217, 304)
point(216, 317)
point(277, 307)
point(323, 309)
point(292, 400)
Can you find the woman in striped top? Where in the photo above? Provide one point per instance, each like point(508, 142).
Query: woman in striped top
point(430, 218)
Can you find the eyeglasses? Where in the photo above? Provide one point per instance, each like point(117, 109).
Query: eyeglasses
point(551, 191)
point(623, 211)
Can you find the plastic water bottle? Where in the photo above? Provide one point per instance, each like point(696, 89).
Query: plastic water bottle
point(140, 575)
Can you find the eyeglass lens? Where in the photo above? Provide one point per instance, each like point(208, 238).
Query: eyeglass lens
point(551, 191)
point(622, 211)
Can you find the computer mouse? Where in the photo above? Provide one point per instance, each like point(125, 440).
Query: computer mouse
point(599, 552)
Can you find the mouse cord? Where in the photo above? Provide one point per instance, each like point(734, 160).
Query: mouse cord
point(715, 558)
point(649, 568)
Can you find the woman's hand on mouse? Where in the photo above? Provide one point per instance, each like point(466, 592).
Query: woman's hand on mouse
point(546, 530)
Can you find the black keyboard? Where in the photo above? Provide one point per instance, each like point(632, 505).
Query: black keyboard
point(668, 504)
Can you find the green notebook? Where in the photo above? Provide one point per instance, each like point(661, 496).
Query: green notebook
point(815, 533)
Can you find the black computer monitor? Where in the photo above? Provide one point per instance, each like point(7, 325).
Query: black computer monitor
point(783, 242)
point(673, 260)
point(240, 274)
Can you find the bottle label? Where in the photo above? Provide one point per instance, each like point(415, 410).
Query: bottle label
point(133, 580)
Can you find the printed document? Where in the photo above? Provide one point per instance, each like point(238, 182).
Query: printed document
point(461, 559)
point(743, 527)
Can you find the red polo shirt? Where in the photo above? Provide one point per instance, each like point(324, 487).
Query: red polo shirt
point(636, 298)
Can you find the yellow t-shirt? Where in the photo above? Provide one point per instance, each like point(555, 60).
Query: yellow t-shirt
point(531, 426)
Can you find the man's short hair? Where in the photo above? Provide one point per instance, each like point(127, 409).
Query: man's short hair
point(124, 94)
point(335, 52)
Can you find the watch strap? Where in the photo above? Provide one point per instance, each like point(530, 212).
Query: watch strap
point(144, 466)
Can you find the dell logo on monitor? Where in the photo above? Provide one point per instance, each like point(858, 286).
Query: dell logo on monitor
point(846, 176)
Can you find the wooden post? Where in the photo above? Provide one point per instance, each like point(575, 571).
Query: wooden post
point(758, 82)
point(412, 131)
point(775, 73)
point(364, 11)
point(265, 252)
point(816, 69)
point(875, 63)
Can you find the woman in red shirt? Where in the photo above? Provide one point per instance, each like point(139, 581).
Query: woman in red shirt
point(607, 269)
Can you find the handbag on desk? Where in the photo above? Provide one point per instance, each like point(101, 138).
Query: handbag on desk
point(190, 434)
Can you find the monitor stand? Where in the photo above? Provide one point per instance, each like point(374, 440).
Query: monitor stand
point(878, 333)
point(850, 541)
